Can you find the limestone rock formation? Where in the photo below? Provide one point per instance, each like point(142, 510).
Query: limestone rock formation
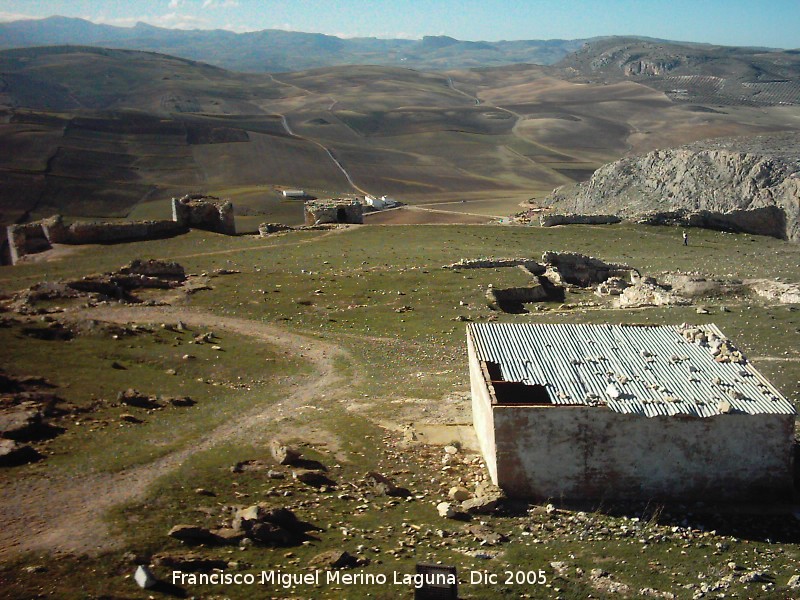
point(740, 184)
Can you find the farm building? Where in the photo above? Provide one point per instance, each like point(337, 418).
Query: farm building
point(294, 193)
point(624, 412)
point(336, 210)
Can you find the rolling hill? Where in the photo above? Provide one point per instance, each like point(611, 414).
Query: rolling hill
point(692, 72)
point(273, 50)
point(96, 132)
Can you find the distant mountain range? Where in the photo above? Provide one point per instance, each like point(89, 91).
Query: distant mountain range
point(274, 50)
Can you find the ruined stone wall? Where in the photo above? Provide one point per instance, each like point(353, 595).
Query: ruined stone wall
point(333, 211)
point(209, 213)
point(28, 238)
point(579, 453)
point(192, 211)
point(108, 233)
point(490, 263)
point(38, 236)
point(576, 219)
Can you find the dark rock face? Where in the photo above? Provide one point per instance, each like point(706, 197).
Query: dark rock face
point(749, 185)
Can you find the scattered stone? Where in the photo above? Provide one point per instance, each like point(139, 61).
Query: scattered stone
point(445, 510)
point(754, 577)
point(648, 294)
point(204, 492)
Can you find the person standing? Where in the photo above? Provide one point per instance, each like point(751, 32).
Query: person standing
point(685, 238)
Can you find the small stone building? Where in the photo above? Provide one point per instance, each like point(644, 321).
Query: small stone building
point(197, 211)
point(318, 212)
point(623, 412)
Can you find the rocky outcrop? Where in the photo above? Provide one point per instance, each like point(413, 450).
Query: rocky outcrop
point(739, 184)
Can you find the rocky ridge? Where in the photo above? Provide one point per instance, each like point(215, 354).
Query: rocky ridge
point(741, 184)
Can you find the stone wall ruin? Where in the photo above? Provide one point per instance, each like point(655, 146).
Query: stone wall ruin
point(196, 211)
point(193, 211)
point(318, 212)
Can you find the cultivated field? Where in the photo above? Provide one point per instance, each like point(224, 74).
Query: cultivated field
point(159, 127)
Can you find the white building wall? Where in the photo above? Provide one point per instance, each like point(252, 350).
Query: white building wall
point(482, 418)
point(576, 453)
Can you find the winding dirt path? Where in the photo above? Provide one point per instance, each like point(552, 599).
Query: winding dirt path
point(65, 514)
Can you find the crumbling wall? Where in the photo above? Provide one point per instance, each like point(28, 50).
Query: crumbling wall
point(318, 212)
point(38, 236)
point(28, 238)
point(491, 263)
point(197, 211)
point(582, 270)
point(109, 233)
point(580, 453)
point(576, 219)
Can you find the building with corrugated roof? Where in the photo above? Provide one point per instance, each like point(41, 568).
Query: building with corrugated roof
point(626, 412)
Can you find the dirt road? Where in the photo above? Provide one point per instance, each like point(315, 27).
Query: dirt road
point(65, 514)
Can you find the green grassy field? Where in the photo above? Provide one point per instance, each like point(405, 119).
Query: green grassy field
point(344, 288)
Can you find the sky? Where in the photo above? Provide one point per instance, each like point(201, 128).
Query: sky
point(773, 23)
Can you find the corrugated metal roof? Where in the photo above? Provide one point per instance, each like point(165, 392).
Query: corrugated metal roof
point(647, 370)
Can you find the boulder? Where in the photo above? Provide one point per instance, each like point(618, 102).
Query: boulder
point(13, 454)
point(313, 478)
point(180, 401)
point(190, 563)
point(381, 485)
point(459, 493)
point(445, 509)
point(132, 397)
point(228, 535)
point(144, 578)
point(334, 559)
point(485, 535)
point(20, 422)
point(486, 499)
point(192, 534)
point(245, 518)
point(284, 454)
point(270, 533)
